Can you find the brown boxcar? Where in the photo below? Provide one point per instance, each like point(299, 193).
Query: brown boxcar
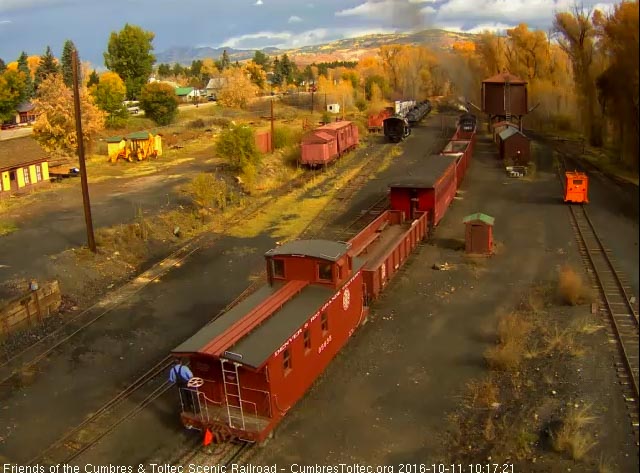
point(345, 132)
point(514, 146)
point(328, 142)
point(253, 363)
point(431, 189)
point(318, 148)
point(386, 244)
point(504, 94)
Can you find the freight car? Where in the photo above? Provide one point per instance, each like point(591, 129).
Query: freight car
point(256, 360)
point(467, 123)
point(327, 143)
point(576, 187)
point(462, 150)
point(430, 189)
point(374, 122)
point(396, 128)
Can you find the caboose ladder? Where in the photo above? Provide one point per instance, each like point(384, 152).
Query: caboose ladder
point(231, 383)
point(507, 99)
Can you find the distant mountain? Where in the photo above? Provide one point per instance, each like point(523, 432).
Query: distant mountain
point(350, 49)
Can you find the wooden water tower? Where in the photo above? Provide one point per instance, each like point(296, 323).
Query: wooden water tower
point(504, 98)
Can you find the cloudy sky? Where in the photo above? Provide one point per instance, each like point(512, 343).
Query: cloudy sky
point(31, 25)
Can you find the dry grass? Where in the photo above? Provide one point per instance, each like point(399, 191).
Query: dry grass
point(571, 437)
point(482, 394)
point(7, 227)
point(513, 331)
point(571, 288)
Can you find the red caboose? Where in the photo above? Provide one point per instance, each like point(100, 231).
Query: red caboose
point(254, 362)
point(326, 143)
point(431, 189)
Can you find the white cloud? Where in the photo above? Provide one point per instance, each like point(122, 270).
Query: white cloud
point(11, 5)
point(493, 27)
point(5, 22)
point(286, 39)
point(259, 2)
point(294, 19)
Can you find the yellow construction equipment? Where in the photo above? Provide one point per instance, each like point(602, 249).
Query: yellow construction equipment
point(134, 147)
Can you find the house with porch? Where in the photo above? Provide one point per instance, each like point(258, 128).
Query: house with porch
point(26, 113)
point(24, 165)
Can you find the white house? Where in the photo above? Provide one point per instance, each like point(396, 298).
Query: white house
point(333, 107)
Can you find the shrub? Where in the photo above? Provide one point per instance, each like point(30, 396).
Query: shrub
point(326, 117)
point(284, 136)
point(159, 102)
point(206, 191)
point(238, 147)
point(513, 332)
point(222, 122)
point(571, 437)
point(571, 288)
point(361, 105)
point(198, 123)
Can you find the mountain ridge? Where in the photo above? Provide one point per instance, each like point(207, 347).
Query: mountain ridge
point(346, 49)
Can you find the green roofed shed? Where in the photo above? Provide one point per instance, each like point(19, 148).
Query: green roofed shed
point(481, 217)
point(183, 91)
point(479, 233)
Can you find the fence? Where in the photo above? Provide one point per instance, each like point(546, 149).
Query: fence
point(30, 308)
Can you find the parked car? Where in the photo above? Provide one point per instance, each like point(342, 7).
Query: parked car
point(8, 126)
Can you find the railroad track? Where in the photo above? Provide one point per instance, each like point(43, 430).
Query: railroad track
point(614, 302)
point(152, 384)
point(72, 444)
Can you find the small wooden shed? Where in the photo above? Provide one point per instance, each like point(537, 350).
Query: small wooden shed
point(514, 146)
point(479, 234)
point(263, 141)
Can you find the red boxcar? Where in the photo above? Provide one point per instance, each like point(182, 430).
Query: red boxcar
point(374, 122)
point(318, 148)
point(431, 189)
point(253, 363)
point(326, 143)
point(385, 244)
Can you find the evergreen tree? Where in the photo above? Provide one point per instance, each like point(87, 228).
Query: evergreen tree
point(94, 79)
point(47, 66)
point(66, 59)
point(262, 60)
point(164, 70)
point(3, 66)
point(23, 66)
point(225, 62)
point(277, 78)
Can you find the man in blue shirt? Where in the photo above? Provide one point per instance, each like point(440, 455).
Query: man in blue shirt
point(180, 375)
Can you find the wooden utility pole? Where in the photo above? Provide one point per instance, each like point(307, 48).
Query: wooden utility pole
point(273, 119)
point(80, 139)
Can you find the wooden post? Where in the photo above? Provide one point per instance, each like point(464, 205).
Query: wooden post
point(272, 128)
point(83, 169)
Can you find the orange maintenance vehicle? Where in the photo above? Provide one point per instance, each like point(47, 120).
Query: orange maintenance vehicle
point(576, 187)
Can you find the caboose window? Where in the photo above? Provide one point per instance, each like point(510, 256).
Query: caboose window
point(277, 267)
point(307, 341)
point(577, 182)
point(324, 323)
point(325, 272)
point(286, 361)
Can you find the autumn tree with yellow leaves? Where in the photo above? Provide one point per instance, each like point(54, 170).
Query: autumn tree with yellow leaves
point(238, 89)
point(109, 94)
point(55, 128)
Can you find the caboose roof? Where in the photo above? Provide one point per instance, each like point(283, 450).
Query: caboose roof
point(427, 174)
point(323, 249)
point(335, 125)
point(259, 344)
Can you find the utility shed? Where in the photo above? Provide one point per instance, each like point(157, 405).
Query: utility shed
point(478, 234)
point(514, 146)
